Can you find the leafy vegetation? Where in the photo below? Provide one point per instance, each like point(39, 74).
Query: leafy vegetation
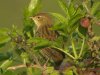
point(80, 44)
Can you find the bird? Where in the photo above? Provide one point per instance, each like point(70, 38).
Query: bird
point(43, 24)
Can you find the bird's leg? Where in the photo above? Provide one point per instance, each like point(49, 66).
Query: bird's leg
point(45, 64)
point(37, 61)
point(45, 67)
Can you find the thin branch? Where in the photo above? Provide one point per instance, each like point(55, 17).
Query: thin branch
point(82, 47)
point(64, 52)
point(45, 64)
point(87, 9)
point(22, 66)
point(36, 60)
point(74, 49)
point(16, 67)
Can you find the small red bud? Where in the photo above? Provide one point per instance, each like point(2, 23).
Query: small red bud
point(85, 22)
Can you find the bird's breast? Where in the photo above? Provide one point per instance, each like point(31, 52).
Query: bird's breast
point(45, 32)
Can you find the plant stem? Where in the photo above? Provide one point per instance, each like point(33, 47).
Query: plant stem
point(25, 61)
point(82, 47)
point(29, 71)
point(64, 52)
point(74, 50)
point(22, 66)
point(84, 4)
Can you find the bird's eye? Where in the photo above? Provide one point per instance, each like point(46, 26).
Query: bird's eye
point(38, 17)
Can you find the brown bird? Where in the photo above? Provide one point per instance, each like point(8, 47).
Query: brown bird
point(43, 24)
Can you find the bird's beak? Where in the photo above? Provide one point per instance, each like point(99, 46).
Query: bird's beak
point(31, 17)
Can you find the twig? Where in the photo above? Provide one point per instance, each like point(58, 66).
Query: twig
point(22, 66)
point(74, 50)
point(45, 67)
point(45, 64)
point(36, 60)
point(64, 52)
point(16, 67)
point(82, 47)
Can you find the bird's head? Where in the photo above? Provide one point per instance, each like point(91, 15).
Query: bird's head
point(42, 19)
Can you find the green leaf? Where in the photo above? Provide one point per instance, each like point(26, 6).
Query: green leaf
point(59, 17)
point(71, 9)
point(2, 45)
point(55, 72)
point(6, 64)
point(80, 10)
point(96, 38)
point(32, 9)
point(94, 8)
point(29, 71)
point(8, 72)
point(3, 31)
point(74, 19)
point(34, 6)
point(59, 42)
point(64, 7)
point(42, 45)
point(34, 71)
point(61, 22)
point(4, 38)
point(40, 42)
point(4, 56)
point(68, 72)
point(36, 40)
point(49, 69)
point(82, 31)
point(73, 23)
point(58, 26)
point(97, 15)
point(74, 69)
point(64, 34)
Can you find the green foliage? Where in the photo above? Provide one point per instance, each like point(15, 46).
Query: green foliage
point(70, 22)
point(68, 72)
point(6, 64)
point(64, 7)
point(31, 10)
point(98, 15)
point(73, 23)
point(4, 56)
point(35, 71)
point(82, 31)
point(59, 17)
point(41, 43)
point(94, 8)
point(55, 73)
point(72, 41)
point(5, 38)
point(8, 72)
point(71, 9)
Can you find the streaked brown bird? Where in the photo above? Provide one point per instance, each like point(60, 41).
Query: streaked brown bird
point(43, 24)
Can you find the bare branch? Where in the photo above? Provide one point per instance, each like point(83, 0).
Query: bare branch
point(22, 66)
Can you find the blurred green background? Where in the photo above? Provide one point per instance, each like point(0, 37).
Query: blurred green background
point(11, 12)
